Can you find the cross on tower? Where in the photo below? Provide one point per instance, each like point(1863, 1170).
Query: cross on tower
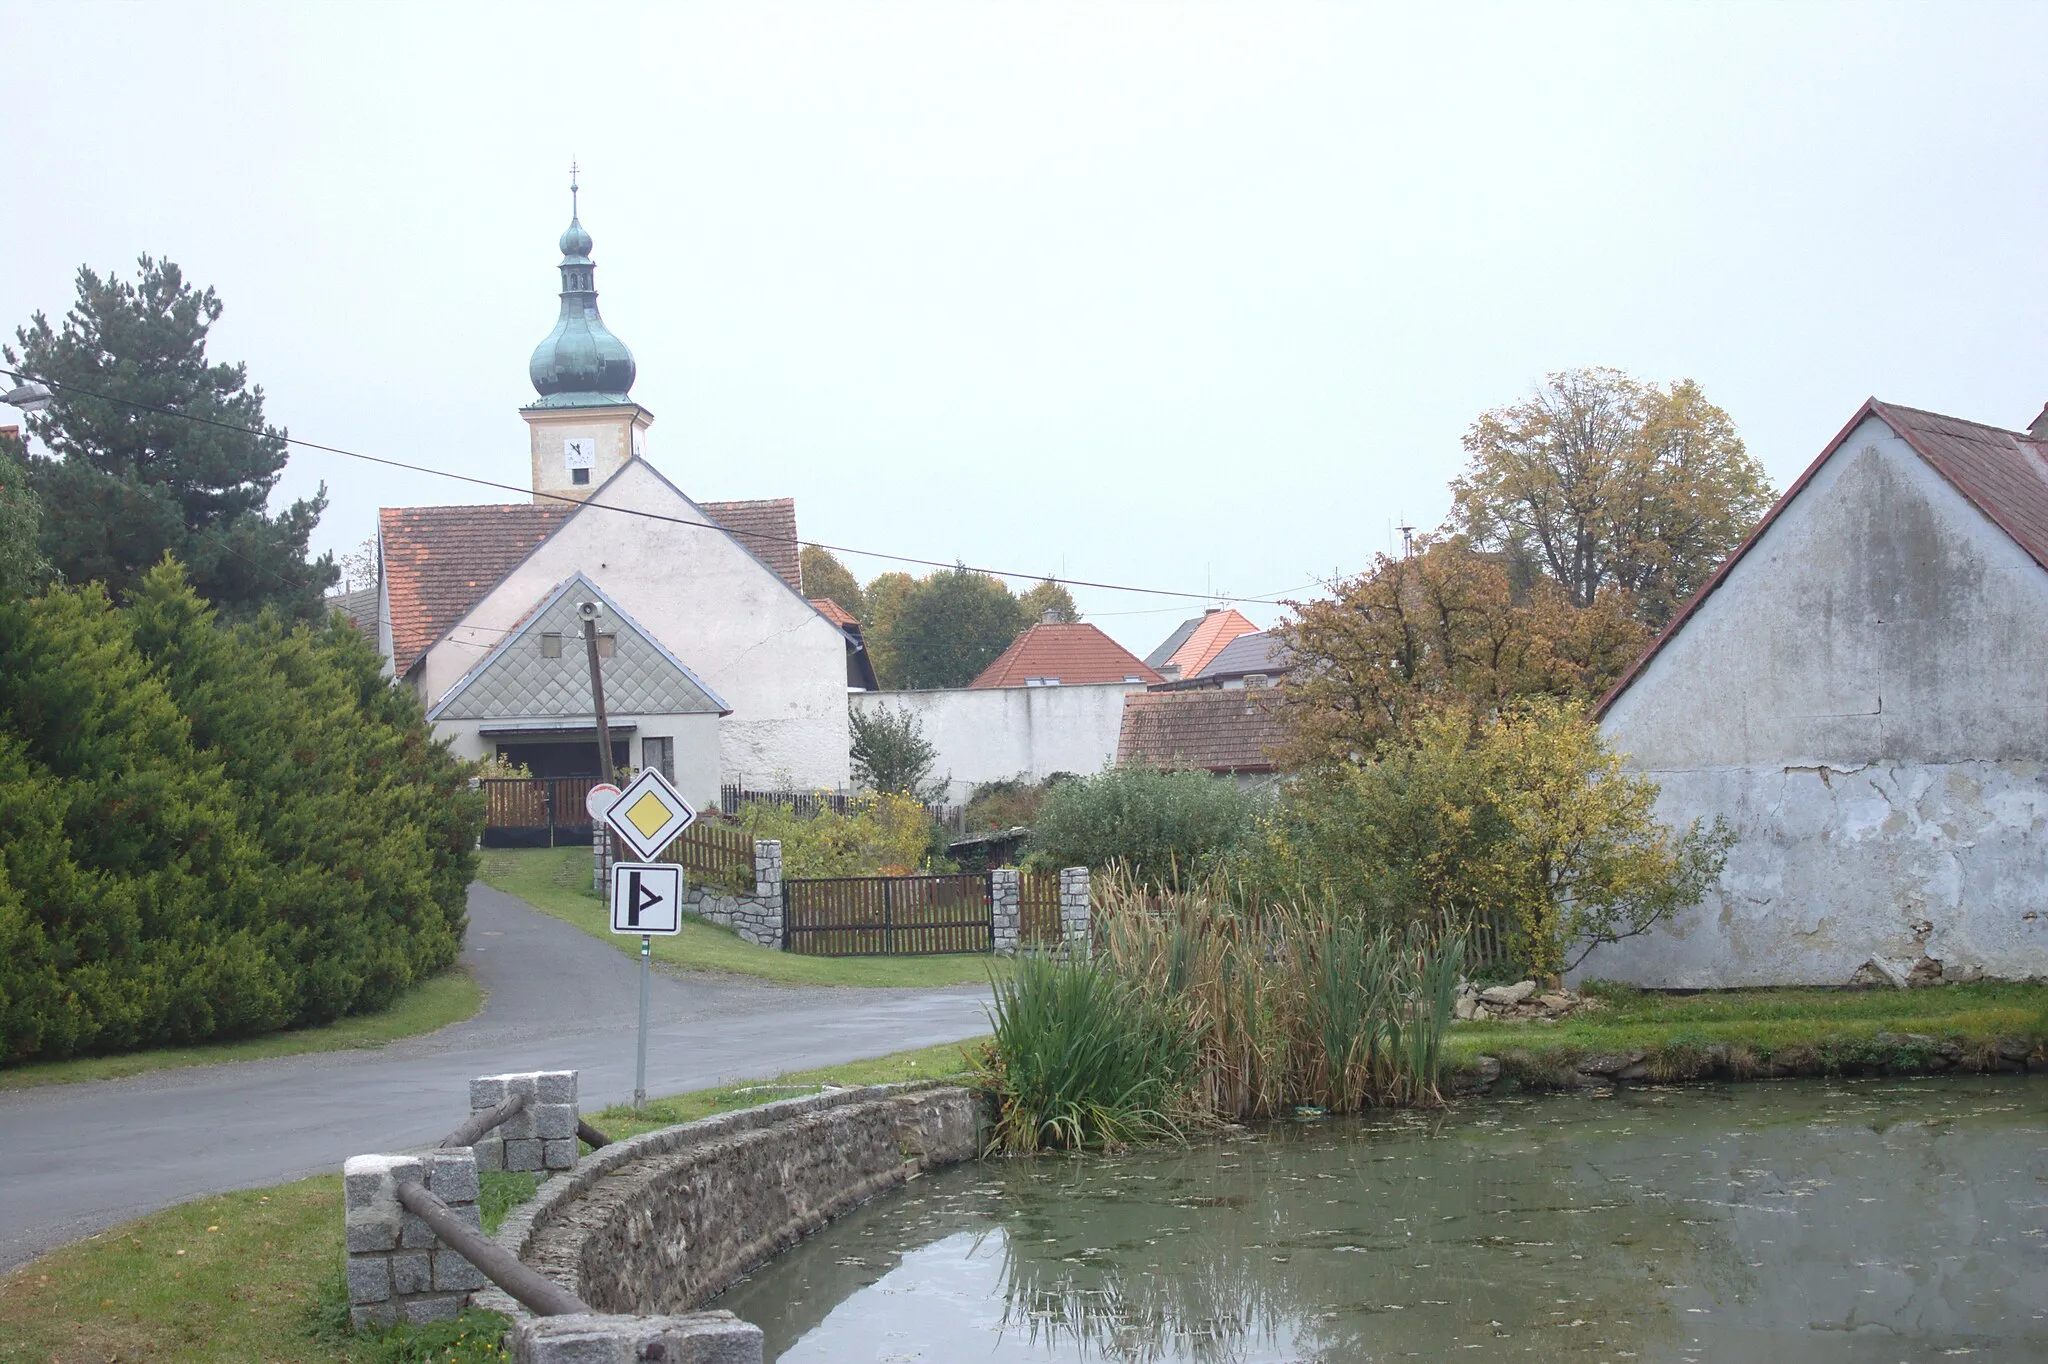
point(572, 189)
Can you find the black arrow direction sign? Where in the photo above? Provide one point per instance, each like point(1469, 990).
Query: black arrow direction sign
point(638, 897)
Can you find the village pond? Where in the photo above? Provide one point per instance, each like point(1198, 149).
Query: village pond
point(1862, 1220)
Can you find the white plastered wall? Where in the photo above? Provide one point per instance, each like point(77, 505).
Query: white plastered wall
point(985, 734)
point(1865, 700)
point(779, 664)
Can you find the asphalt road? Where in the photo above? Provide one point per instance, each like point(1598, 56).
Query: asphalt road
point(82, 1157)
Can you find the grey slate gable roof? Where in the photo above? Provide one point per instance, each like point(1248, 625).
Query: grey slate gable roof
point(1157, 658)
point(514, 682)
point(1259, 653)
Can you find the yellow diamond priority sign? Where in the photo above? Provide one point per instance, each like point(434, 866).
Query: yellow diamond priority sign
point(649, 814)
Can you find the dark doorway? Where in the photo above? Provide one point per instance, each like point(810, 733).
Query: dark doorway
point(558, 759)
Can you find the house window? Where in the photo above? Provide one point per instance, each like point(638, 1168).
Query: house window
point(551, 644)
point(579, 475)
point(604, 646)
point(659, 754)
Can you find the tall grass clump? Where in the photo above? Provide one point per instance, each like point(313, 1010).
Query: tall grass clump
point(1252, 1011)
point(1290, 1004)
point(1080, 1059)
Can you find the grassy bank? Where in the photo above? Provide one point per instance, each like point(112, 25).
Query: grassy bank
point(241, 1277)
point(556, 881)
point(1738, 1033)
point(434, 1003)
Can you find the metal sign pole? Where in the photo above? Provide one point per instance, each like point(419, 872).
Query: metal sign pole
point(640, 1071)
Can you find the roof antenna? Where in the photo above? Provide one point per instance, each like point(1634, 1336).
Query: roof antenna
point(1407, 541)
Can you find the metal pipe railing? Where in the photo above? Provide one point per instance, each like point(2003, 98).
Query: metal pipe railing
point(533, 1290)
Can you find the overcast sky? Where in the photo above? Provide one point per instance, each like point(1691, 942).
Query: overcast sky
point(1186, 297)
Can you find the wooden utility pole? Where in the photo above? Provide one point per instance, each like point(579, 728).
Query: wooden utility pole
point(588, 610)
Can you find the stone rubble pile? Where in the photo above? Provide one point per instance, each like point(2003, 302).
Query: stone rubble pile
point(1522, 1002)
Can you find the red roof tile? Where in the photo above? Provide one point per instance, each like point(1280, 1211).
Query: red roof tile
point(834, 612)
point(767, 526)
point(2004, 474)
point(440, 561)
point(1217, 731)
point(1074, 655)
point(1216, 629)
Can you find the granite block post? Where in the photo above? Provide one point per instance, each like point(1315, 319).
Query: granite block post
point(1076, 931)
point(541, 1137)
point(1006, 909)
point(601, 859)
point(693, 1338)
point(398, 1270)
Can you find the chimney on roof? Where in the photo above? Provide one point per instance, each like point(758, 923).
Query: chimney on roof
point(1049, 616)
point(2039, 430)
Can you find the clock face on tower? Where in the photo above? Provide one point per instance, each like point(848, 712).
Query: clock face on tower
point(579, 452)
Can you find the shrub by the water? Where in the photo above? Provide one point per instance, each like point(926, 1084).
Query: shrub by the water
point(209, 831)
point(1162, 826)
point(1081, 1058)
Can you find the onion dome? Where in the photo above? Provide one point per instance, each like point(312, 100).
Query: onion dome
point(580, 364)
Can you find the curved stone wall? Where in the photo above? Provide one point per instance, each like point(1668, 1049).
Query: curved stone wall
point(664, 1222)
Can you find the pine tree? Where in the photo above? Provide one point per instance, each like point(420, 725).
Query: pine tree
point(22, 565)
point(128, 484)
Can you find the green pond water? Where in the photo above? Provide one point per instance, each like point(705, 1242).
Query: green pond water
point(1879, 1221)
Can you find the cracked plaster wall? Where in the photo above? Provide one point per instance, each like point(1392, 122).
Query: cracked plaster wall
point(1865, 700)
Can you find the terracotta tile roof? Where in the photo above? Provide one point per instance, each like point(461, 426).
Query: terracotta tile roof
point(767, 526)
point(1217, 731)
point(2004, 474)
point(1166, 647)
point(440, 561)
point(1074, 654)
point(1257, 652)
point(834, 612)
point(1206, 640)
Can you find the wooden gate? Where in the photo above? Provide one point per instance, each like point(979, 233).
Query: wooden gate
point(894, 916)
point(1038, 911)
point(536, 812)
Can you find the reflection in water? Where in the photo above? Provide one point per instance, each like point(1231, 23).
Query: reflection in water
point(1855, 1221)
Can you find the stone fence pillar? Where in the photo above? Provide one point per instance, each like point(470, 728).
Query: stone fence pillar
point(398, 1270)
point(1006, 909)
point(768, 869)
point(1076, 929)
point(540, 1137)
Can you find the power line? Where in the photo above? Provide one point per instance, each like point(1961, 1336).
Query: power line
point(627, 511)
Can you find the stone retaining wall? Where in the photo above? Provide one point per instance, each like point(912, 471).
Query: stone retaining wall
point(663, 1222)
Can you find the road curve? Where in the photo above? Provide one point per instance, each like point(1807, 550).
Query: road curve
point(82, 1157)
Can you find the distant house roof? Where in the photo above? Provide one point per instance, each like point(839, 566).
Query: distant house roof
point(359, 604)
point(1217, 731)
point(1196, 642)
point(2004, 474)
point(1157, 658)
point(834, 612)
point(767, 526)
point(1258, 652)
point(1063, 655)
point(440, 561)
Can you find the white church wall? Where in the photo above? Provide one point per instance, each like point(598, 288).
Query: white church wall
point(771, 657)
point(1865, 700)
point(995, 733)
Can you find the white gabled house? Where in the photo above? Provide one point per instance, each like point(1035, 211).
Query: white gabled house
point(1862, 691)
point(717, 668)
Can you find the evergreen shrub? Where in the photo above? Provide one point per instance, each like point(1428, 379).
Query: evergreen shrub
point(210, 831)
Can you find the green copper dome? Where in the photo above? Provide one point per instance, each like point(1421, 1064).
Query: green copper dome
point(581, 364)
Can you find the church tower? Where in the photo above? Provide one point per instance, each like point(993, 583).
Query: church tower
point(584, 428)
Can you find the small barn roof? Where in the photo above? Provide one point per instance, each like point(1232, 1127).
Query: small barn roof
point(1217, 731)
point(2003, 474)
